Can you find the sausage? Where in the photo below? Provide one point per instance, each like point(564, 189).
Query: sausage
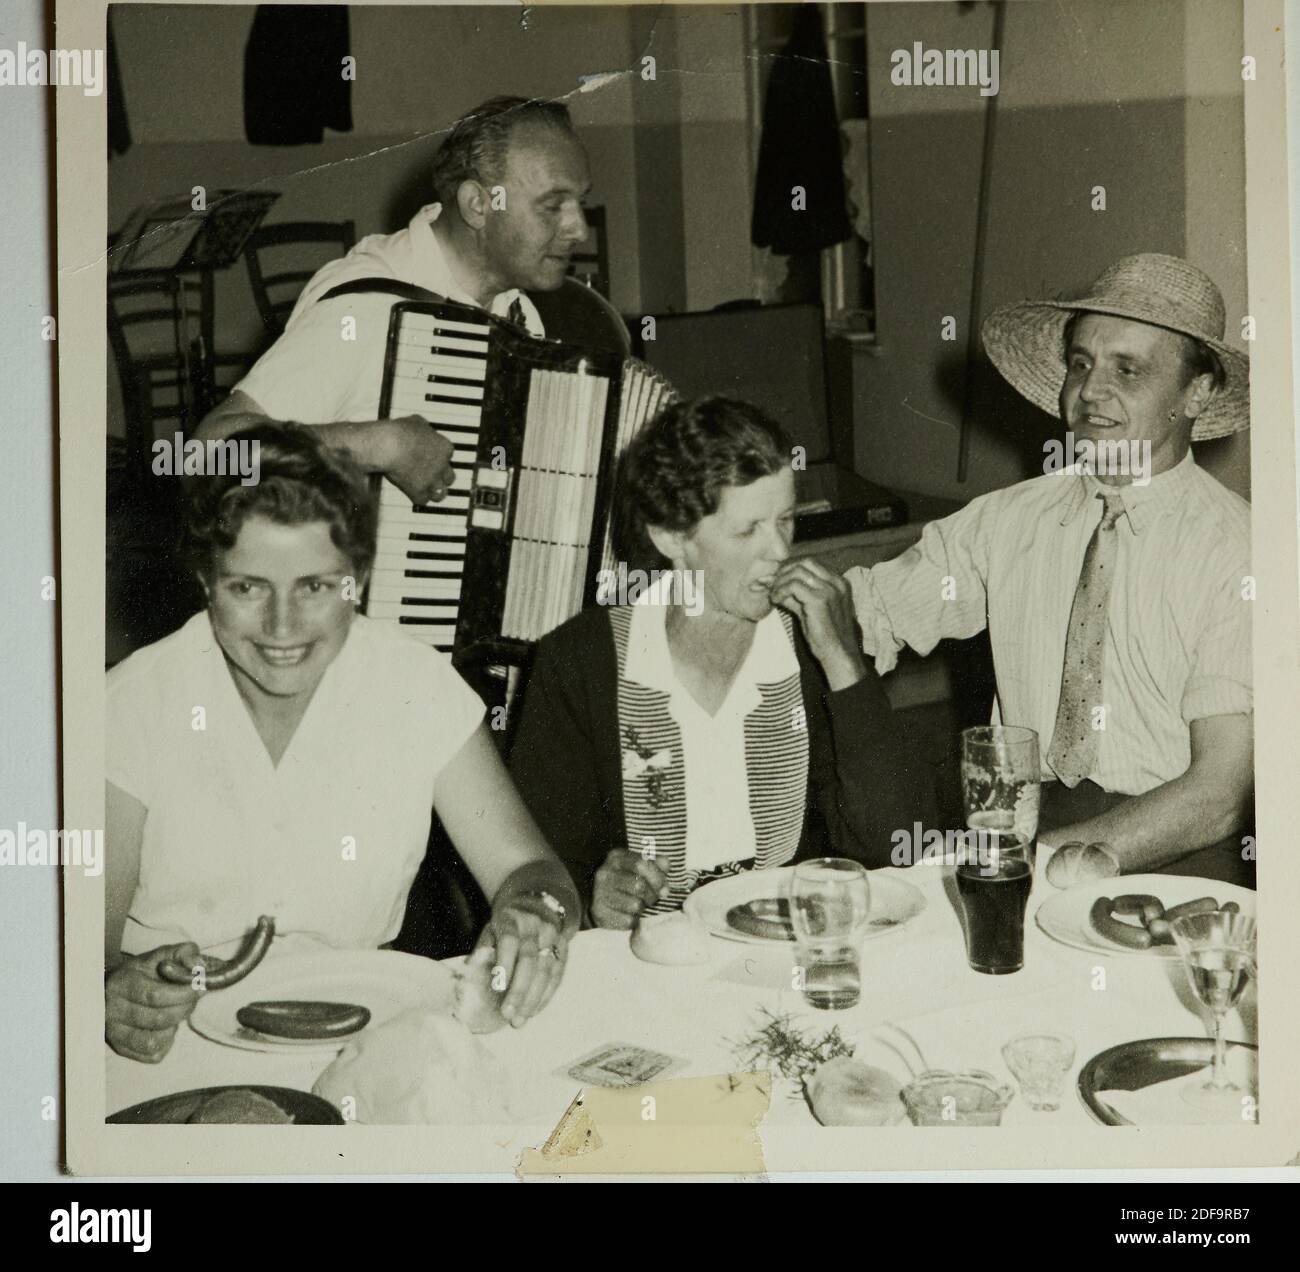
point(303, 1020)
point(1202, 905)
point(1138, 903)
point(220, 973)
point(1113, 929)
point(767, 917)
point(1161, 933)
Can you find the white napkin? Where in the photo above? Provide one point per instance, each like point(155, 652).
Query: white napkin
point(419, 1068)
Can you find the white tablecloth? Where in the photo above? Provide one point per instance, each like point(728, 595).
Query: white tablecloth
point(916, 977)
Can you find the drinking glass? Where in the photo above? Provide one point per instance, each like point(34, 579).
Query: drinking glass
point(1039, 1062)
point(1000, 785)
point(1218, 951)
point(829, 902)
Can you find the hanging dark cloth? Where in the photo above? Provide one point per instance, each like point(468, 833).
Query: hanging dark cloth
point(293, 74)
point(800, 146)
point(119, 131)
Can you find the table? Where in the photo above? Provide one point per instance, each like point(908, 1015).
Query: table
point(915, 977)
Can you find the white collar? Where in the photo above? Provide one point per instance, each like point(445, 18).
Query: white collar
point(433, 270)
point(770, 660)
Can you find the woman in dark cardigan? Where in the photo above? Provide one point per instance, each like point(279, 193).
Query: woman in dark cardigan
point(727, 719)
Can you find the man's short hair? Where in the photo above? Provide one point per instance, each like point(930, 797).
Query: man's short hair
point(1198, 358)
point(475, 149)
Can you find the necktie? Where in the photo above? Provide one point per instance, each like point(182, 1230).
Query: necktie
point(1075, 737)
point(516, 314)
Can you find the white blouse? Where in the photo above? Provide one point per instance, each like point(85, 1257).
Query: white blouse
point(329, 840)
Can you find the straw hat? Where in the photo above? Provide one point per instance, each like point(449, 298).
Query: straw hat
point(1026, 341)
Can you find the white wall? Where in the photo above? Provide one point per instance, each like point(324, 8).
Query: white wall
point(1144, 99)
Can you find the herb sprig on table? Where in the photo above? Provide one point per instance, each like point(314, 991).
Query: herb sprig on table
point(792, 1051)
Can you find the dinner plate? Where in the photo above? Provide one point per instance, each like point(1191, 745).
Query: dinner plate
point(1131, 1066)
point(1064, 917)
point(893, 902)
point(381, 980)
point(303, 1107)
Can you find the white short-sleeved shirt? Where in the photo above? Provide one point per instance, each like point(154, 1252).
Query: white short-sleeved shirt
point(329, 840)
point(312, 374)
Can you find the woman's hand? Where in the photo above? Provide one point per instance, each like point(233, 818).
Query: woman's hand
point(531, 941)
point(823, 604)
point(141, 1010)
point(625, 884)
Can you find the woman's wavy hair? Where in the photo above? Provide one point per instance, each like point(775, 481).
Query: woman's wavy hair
point(300, 480)
point(673, 473)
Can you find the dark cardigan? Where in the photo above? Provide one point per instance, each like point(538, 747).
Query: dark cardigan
point(864, 780)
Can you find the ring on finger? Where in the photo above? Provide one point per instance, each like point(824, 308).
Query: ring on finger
point(549, 951)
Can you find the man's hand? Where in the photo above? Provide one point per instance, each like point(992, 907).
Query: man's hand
point(625, 884)
point(530, 942)
point(142, 1011)
point(418, 459)
point(1074, 863)
point(823, 604)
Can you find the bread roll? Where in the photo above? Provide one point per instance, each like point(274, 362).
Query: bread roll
point(846, 1092)
point(675, 940)
point(240, 1105)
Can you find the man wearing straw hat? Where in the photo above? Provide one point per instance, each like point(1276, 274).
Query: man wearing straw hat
point(1117, 595)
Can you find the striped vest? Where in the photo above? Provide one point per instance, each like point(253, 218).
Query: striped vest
point(654, 788)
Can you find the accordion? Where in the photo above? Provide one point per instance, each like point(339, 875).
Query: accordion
point(537, 427)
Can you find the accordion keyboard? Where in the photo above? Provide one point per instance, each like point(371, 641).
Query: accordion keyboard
point(439, 368)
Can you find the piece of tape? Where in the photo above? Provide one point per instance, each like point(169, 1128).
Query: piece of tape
point(676, 1127)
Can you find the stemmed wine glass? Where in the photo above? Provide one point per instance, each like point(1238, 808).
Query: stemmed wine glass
point(1218, 951)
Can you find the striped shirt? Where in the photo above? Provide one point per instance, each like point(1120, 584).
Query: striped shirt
point(709, 795)
point(1178, 639)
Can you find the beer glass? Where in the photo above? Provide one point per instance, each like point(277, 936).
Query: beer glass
point(999, 788)
point(1000, 781)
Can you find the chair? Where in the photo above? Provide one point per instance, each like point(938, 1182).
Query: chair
point(590, 263)
point(160, 329)
point(293, 250)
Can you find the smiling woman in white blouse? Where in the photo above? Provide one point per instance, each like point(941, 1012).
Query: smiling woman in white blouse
point(725, 720)
point(280, 755)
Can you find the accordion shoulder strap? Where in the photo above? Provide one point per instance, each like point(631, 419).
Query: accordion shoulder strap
point(388, 286)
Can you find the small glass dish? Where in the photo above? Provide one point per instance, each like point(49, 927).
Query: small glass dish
point(1040, 1062)
point(939, 1097)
